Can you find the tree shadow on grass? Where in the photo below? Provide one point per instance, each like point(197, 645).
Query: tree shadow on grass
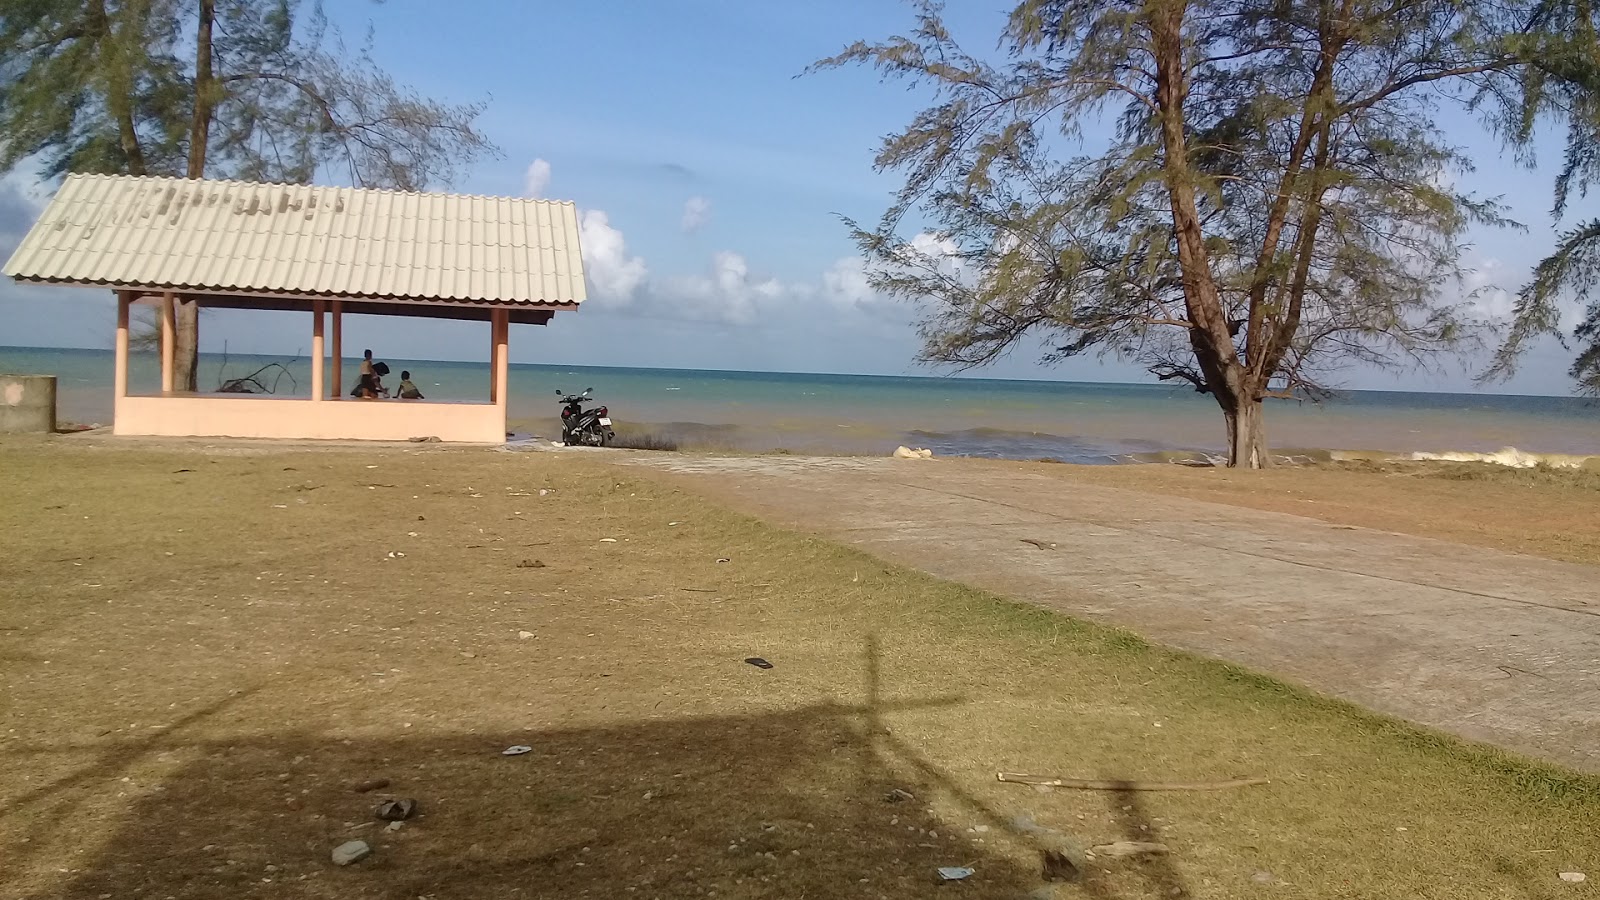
point(777, 804)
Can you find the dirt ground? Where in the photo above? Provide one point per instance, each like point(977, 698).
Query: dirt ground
point(1492, 646)
point(1549, 513)
point(203, 650)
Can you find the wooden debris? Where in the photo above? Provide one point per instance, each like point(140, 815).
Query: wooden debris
point(1129, 848)
point(1093, 784)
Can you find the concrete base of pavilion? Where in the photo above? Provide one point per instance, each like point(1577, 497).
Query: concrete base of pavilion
point(326, 414)
point(255, 416)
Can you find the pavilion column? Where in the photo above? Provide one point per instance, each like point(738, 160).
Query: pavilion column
point(318, 392)
point(500, 327)
point(169, 340)
point(120, 377)
point(335, 375)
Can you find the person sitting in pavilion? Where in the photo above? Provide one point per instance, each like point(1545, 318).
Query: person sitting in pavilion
point(373, 371)
point(408, 391)
point(366, 388)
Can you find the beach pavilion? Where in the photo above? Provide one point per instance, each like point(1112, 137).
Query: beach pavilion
point(314, 250)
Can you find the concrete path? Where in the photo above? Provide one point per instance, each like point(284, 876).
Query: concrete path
point(1491, 646)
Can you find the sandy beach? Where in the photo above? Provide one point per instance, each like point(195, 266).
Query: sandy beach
point(207, 645)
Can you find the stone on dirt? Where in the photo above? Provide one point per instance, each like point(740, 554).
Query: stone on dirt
point(351, 852)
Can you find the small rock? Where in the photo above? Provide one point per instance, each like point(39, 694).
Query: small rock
point(981, 829)
point(376, 784)
point(469, 654)
point(351, 852)
point(531, 564)
point(955, 873)
point(396, 810)
point(524, 635)
point(1574, 877)
point(395, 826)
point(516, 750)
point(898, 796)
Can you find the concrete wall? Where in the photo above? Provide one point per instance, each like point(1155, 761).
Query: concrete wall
point(27, 403)
point(349, 419)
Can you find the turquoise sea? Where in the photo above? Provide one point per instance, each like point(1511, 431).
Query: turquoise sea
point(1068, 421)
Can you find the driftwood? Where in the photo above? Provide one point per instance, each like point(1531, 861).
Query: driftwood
point(1091, 784)
point(1129, 848)
point(252, 383)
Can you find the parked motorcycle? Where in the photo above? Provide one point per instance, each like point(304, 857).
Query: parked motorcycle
point(584, 427)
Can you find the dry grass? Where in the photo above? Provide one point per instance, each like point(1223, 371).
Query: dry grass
point(1541, 512)
point(202, 652)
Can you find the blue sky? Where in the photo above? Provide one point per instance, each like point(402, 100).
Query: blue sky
point(711, 180)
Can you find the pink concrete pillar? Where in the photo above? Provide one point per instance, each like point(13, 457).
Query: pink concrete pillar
point(318, 392)
point(120, 377)
point(169, 342)
point(501, 326)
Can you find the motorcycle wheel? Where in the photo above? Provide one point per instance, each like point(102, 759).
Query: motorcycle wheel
point(604, 437)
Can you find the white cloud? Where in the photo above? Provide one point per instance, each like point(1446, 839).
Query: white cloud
point(1482, 286)
point(848, 282)
point(726, 293)
point(696, 213)
point(614, 275)
point(937, 249)
point(845, 283)
point(536, 179)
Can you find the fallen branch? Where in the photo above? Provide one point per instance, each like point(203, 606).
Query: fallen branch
point(1042, 545)
point(1091, 784)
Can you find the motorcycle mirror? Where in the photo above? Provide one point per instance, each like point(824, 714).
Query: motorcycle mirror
point(588, 391)
point(558, 392)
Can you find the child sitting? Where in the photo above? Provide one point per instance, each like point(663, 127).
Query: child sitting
point(408, 391)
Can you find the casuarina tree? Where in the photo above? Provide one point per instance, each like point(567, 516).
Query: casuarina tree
point(1564, 64)
point(1244, 195)
point(259, 90)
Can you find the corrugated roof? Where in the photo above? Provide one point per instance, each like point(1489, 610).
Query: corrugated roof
point(231, 236)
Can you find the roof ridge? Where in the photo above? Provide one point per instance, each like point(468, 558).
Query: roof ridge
point(233, 182)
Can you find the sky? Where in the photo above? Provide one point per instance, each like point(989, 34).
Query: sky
point(710, 180)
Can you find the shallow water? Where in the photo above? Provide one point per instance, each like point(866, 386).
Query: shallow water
point(1068, 421)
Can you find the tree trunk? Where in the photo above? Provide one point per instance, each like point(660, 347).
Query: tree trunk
point(1247, 435)
point(186, 347)
point(187, 361)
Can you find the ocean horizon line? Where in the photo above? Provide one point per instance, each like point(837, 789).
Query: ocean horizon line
point(933, 376)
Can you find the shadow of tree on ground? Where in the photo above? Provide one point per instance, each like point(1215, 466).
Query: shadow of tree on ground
point(791, 803)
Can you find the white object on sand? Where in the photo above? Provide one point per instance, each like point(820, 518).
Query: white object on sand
point(910, 453)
